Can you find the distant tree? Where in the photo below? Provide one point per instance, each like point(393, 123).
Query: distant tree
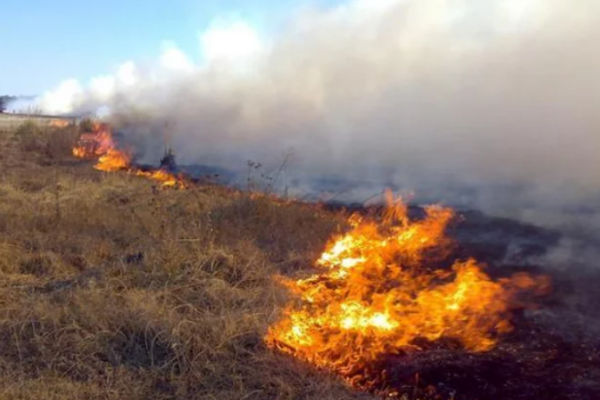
point(4, 101)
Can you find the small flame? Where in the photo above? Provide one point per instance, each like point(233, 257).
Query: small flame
point(60, 123)
point(167, 179)
point(100, 144)
point(378, 293)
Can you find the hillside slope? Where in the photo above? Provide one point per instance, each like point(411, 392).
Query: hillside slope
point(115, 289)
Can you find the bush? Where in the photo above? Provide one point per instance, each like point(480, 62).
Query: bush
point(51, 143)
point(29, 136)
point(59, 142)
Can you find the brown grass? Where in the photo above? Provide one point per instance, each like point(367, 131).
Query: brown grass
point(114, 289)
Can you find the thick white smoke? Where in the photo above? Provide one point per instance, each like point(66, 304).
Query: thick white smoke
point(490, 103)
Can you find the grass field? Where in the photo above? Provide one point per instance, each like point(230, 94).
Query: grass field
point(114, 289)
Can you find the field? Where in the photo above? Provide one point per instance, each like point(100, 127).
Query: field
point(114, 289)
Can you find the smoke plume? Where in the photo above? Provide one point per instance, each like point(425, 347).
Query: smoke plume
point(489, 104)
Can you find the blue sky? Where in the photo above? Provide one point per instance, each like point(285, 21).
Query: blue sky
point(47, 41)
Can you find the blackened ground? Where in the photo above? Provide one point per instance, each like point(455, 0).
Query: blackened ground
point(534, 363)
point(554, 351)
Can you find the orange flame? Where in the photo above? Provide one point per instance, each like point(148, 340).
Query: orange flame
point(95, 144)
point(60, 123)
point(114, 160)
point(100, 144)
point(375, 294)
point(167, 179)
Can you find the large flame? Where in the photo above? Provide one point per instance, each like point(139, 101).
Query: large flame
point(378, 292)
point(100, 144)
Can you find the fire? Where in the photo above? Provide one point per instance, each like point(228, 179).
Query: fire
point(114, 160)
point(100, 144)
point(95, 144)
point(60, 123)
point(378, 291)
point(167, 179)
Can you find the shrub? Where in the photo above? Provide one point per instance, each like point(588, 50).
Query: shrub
point(59, 142)
point(29, 136)
point(51, 143)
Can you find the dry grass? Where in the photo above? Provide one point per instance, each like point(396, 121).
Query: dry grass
point(112, 289)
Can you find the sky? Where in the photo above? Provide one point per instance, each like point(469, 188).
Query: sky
point(44, 41)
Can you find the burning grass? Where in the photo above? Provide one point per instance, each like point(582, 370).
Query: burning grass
point(97, 142)
point(112, 289)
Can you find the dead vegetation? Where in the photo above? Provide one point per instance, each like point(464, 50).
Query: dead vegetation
point(115, 289)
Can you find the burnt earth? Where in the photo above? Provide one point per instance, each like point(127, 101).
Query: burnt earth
point(533, 363)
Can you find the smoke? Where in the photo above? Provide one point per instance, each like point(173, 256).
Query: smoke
point(489, 104)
